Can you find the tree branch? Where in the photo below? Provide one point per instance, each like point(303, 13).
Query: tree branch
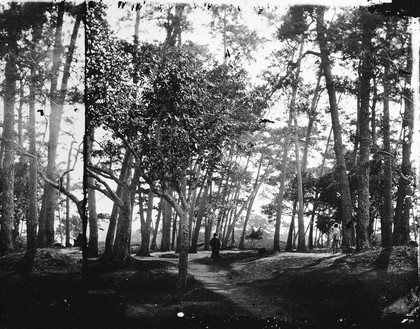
point(106, 173)
point(109, 192)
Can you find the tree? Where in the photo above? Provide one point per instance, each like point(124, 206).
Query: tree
point(93, 218)
point(363, 202)
point(11, 20)
point(46, 224)
point(338, 143)
point(401, 234)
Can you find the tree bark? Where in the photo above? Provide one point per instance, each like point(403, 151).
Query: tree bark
point(67, 198)
point(279, 210)
point(338, 143)
point(120, 254)
point(301, 226)
point(184, 239)
point(248, 212)
point(401, 235)
point(109, 240)
point(388, 209)
point(363, 166)
point(46, 236)
point(32, 219)
point(165, 244)
point(93, 217)
point(8, 169)
point(312, 116)
point(200, 215)
point(289, 242)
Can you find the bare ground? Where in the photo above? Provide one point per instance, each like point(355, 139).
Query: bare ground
point(241, 290)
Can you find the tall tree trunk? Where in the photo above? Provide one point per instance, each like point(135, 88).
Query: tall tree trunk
point(46, 220)
point(315, 206)
point(109, 240)
point(165, 244)
point(289, 242)
point(121, 251)
point(312, 116)
point(373, 116)
point(200, 214)
point(208, 221)
point(401, 234)
point(301, 225)
point(46, 238)
point(8, 169)
point(174, 243)
point(32, 219)
point(20, 114)
point(363, 168)
point(279, 209)
point(184, 240)
point(387, 211)
point(415, 85)
point(67, 198)
point(338, 143)
point(93, 217)
point(120, 254)
point(248, 213)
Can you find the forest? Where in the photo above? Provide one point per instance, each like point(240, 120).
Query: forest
point(134, 129)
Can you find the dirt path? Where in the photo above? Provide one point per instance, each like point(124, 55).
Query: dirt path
point(221, 281)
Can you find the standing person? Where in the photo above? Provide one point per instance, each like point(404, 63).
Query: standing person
point(335, 237)
point(215, 247)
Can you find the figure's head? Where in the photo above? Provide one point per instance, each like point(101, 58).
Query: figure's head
point(336, 225)
point(215, 235)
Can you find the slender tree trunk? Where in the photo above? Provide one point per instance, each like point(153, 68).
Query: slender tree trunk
point(20, 114)
point(32, 219)
point(338, 143)
point(200, 214)
point(46, 220)
point(363, 201)
point(120, 254)
point(109, 240)
point(248, 212)
point(165, 244)
point(415, 82)
point(312, 117)
point(46, 238)
point(401, 234)
point(276, 246)
point(183, 242)
point(208, 221)
point(8, 169)
point(311, 225)
point(174, 244)
point(289, 243)
point(93, 217)
point(301, 225)
point(67, 198)
point(373, 111)
point(387, 211)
